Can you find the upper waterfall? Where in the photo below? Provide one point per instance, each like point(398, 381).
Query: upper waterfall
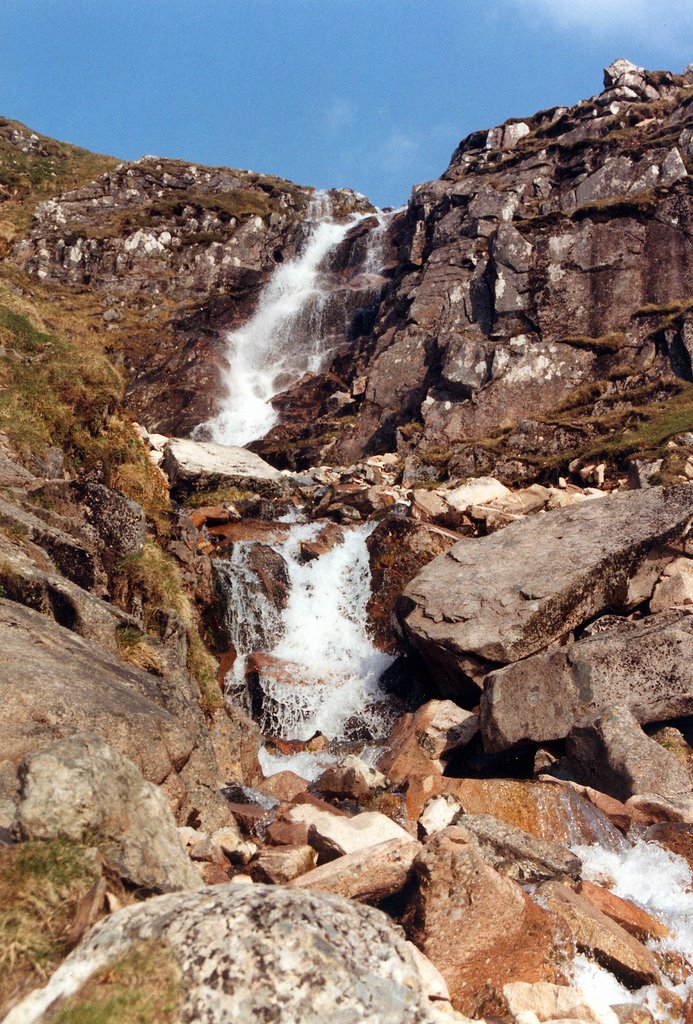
point(284, 339)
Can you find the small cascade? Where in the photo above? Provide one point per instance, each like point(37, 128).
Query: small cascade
point(285, 338)
point(327, 670)
point(661, 883)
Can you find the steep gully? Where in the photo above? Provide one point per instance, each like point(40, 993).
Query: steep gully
point(321, 632)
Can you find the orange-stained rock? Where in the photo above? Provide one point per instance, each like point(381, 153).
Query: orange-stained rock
point(635, 921)
point(287, 833)
point(479, 929)
point(250, 530)
point(213, 874)
point(329, 537)
point(284, 786)
point(545, 809)
point(673, 836)
point(421, 742)
point(599, 936)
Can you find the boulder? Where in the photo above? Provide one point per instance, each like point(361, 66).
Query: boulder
point(315, 957)
point(519, 854)
point(492, 601)
point(279, 865)
point(634, 920)
point(645, 666)
point(369, 875)
point(421, 743)
point(203, 466)
point(674, 836)
point(351, 779)
point(479, 929)
point(82, 790)
point(478, 491)
point(599, 937)
point(612, 753)
point(547, 810)
point(675, 588)
point(333, 835)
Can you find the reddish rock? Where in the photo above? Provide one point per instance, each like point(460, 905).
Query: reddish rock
point(213, 874)
point(545, 809)
point(251, 530)
point(674, 836)
point(285, 786)
point(421, 742)
point(599, 936)
point(631, 918)
point(479, 929)
point(328, 538)
point(287, 833)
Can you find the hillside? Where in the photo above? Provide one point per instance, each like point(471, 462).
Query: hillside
point(345, 582)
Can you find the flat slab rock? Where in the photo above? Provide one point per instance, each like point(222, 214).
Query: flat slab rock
point(334, 835)
point(261, 953)
point(201, 466)
point(646, 667)
point(492, 601)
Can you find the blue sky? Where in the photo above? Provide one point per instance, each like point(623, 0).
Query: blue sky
point(370, 94)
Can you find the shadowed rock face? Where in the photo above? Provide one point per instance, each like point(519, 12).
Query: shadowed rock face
point(495, 600)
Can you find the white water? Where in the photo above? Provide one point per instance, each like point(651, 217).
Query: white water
point(285, 337)
point(659, 882)
point(321, 634)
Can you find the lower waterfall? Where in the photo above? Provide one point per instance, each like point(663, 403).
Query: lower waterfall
point(321, 636)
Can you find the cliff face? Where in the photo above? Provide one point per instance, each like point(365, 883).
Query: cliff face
point(533, 305)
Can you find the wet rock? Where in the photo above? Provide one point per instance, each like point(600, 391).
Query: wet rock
point(673, 836)
point(646, 667)
point(351, 779)
point(599, 937)
point(613, 754)
point(634, 920)
point(203, 466)
point(519, 854)
point(499, 599)
point(335, 835)
point(368, 875)
point(280, 865)
point(547, 810)
point(421, 743)
point(506, 936)
point(80, 789)
point(283, 786)
point(314, 957)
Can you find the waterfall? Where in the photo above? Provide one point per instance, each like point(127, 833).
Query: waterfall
point(321, 637)
point(284, 339)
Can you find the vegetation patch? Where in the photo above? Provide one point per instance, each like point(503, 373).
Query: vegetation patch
point(156, 577)
point(606, 343)
point(142, 987)
point(41, 885)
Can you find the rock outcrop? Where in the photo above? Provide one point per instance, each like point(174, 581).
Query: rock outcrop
point(80, 789)
point(645, 665)
point(496, 600)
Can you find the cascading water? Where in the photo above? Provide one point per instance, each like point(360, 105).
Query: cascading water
point(284, 339)
point(321, 635)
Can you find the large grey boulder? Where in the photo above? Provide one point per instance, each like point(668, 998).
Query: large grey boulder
point(646, 665)
point(492, 601)
point(203, 466)
point(81, 789)
point(261, 953)
point(612, 753)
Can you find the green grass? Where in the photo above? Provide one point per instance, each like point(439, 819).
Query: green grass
point(142, 987)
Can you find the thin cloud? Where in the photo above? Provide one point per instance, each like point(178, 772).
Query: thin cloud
point(643, 18)
point(396, 151)
point(340, 116)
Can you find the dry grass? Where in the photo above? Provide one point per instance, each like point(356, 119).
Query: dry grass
point(156, 577)
point(142, 987)
point(41, 884)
